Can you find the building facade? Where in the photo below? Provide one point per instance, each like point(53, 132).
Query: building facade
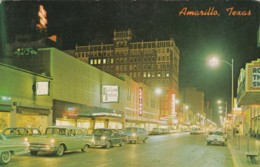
point(194, 99)
point(78, 94)
point(20, 104)
point(154, 63)
point(248, 99)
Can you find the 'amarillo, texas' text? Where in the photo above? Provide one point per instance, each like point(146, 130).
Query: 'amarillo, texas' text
point(211, 11)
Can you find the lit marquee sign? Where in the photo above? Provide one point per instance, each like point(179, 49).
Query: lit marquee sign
point(255, 77)
point(140, 101)
point(110, 93)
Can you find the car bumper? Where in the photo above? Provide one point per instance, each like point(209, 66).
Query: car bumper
point(45, 148)
point(100, 143)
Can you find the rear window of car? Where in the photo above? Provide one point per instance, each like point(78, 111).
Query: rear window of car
point(130, 129)
point(102, 132)
point(218, 133)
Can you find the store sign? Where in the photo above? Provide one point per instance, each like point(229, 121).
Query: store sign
point(5, 98)
point(42, 88)
point(140, 101)
point(255, 78)
point(110, 93)
point(173, 101)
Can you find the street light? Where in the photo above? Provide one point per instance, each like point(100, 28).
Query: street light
point(214, 62)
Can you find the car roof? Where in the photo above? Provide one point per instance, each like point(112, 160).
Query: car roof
point(65, 127)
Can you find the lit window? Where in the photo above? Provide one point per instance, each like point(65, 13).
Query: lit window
point(167, 74)
point(95, 61)
point(91, 61)
point(148, 75)
point(104, 61)
point(112, 61)
point(99, 61)
point(158, 74)
point(144, 74)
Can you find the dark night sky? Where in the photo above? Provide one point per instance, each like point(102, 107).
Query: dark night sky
point(198, 37)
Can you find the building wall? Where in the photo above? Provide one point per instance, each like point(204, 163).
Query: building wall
point(154, 63)
point(76, 82)
point(26, 108)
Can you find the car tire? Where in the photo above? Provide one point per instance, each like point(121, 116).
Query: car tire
point(108, 145)
point(85, 148)
point(5, 157)
point(33, 152)
point(60, 150)
point(208, 143)
point(122, 143)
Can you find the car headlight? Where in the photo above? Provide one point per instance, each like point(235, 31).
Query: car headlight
point(25, 139)
point(103, 137)
point(52, 141)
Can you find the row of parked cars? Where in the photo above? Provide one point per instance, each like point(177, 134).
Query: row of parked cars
point(58, 139)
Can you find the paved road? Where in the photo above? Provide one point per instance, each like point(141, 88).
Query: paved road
point(175, 150)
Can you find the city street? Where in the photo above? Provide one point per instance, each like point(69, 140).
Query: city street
point(178, 150)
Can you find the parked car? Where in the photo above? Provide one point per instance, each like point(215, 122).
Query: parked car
point(20, 132)
point(135, 134)
point(106, 137)
point(58, 139)
point(217, 137)
point(156, 131)
point(9, 147)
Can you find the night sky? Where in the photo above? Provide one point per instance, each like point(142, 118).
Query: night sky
point(197, 37)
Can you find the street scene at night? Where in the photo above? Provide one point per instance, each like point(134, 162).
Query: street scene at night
point(130, 83)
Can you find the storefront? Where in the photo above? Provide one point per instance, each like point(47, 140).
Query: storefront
point(248, 96)
point(89, 117)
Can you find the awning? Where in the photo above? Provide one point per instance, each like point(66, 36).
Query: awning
point(6, 108)
point(99, 112)
point(35, 110)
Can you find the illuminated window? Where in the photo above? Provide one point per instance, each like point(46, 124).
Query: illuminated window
point(148, 75)
point(104, 61)
point(144, 75)
point(95, 61)
point(99, 61)
point(91, 61)
point(112, 61)
point(167, 74)
point(158, 74)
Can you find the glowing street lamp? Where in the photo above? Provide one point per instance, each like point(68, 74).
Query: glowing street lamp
point(214, 62)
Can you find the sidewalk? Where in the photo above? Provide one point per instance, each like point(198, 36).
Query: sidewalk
point(238, 146)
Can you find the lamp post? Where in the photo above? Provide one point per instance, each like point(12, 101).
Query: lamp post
point(214, 61)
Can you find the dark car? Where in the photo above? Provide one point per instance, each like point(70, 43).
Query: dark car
point(135, 134)
point(106, 137)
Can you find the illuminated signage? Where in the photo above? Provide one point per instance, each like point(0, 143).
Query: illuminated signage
point(110, 93)
point(255, 77)
point(5, 98)
point(140, 101)
point(42, 88)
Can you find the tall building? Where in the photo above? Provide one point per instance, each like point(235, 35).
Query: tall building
point(195, 100)
point(154, 63)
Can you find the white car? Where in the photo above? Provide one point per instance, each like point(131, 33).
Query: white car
point(217, 137)
point(9, 147)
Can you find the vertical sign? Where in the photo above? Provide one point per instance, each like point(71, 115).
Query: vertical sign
point(173, 104)
point(140, 101)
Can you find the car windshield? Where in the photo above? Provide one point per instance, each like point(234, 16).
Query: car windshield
point(130, 129)
point(218, 133)
point(56, 131)
point(102, 132)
